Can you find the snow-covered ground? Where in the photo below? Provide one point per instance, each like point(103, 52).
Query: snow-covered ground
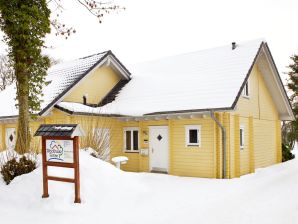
point(110, 195)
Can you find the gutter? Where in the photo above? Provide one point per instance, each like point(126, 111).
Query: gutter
point(224, 144)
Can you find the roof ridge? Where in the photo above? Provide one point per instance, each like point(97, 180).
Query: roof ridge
point(88, 56)
point(200, 50)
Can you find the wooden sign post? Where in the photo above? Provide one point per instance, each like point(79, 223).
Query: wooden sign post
point(60, 148)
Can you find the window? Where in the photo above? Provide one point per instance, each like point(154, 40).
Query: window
point(131, 139)
point(193, 135)
point(241, 137)
point(245, 91)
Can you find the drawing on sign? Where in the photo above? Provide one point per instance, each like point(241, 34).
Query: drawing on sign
point(59, 150)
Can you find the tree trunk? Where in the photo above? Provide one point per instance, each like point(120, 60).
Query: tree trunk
point(23, 133)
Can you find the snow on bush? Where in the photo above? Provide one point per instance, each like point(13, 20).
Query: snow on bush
point(13, 165)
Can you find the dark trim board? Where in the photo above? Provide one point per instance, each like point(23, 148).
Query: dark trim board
point(190, 111)
point(246, 77)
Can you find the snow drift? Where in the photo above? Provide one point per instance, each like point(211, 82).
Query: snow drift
point(110, 195)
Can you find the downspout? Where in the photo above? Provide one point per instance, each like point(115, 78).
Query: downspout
point(224, 140)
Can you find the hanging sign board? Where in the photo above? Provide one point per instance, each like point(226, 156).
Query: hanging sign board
point(59, 150)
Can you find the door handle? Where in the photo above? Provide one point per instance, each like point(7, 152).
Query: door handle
point(152, 150)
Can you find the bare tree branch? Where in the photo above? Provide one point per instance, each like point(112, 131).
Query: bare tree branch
point(96, 8)
point(7, 76)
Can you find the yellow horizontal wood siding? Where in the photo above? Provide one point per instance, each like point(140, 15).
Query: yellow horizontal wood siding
point(236, 145)
point(218, 145)
point(249, 106)
point(232, 147)
point(259, 104)
point(244, 152)
point(2, 141)
point(97, 85)
point(193, 160)
point(265, 143)
point(36, 141)
point(278, 142)
point(260, 109)
point(251, 145)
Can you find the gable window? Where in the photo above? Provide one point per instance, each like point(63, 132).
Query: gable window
point(245, 91)
point(193, 135)
point(241, 137)
point(131, 139)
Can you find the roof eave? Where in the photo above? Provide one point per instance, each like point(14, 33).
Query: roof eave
point(220, 109)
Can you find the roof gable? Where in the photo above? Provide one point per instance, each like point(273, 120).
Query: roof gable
point(274, 83)
point(64, 77)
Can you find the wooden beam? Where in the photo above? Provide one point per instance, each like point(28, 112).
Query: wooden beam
point(62, 179)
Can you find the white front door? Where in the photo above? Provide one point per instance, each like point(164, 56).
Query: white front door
point(159, 148)
point(10, 138)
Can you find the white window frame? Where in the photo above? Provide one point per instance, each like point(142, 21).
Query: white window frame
point(242, 138)
point(245, 93)
point(192, 127)
point(131, 129)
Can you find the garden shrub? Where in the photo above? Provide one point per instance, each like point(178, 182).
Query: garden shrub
point(286, 153)
point(16, 167)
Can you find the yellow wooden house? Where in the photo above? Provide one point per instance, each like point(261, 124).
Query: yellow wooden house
point(213, 113)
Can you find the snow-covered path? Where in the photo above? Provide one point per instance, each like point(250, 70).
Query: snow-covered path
point(112, 196)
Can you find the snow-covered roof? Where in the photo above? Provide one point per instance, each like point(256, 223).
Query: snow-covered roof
point(192, 82)
point(198, 80)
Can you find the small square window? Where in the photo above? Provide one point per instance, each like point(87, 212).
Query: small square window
point(193, 135)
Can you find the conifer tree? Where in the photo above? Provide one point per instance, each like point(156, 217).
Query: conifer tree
point(290, 129)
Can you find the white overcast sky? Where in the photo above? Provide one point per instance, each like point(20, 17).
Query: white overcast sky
point(150, 29)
